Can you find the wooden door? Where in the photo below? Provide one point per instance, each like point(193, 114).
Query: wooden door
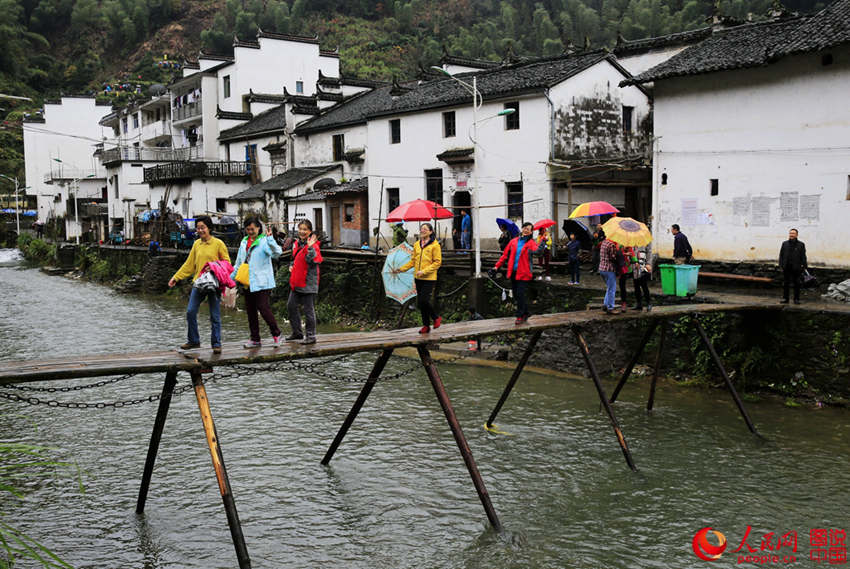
point(335, 230)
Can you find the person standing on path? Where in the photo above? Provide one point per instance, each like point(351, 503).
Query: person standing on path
point(544, 244)
point(426, 261)
point(257, 250)
point(682, 251)
point(573, 250)
point(642, 263)
point(518, 257)
point(205, 249)
point(792, 261)
point(465, 230)
point(607, 270)
point(304, 283)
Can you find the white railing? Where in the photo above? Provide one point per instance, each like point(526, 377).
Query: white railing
point(186, 111)
point(134, 153)
point(155, 129)
point(58, 173)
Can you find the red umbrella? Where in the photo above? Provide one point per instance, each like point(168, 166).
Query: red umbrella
point(593, 208)
point(544, 223)
point(419, 210)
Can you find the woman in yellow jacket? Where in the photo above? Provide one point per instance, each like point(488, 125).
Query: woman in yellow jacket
point(426, 260)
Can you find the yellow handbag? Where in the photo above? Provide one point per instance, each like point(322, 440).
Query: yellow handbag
point(242, 275)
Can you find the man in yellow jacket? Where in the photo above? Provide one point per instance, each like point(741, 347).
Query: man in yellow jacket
point(426, 260)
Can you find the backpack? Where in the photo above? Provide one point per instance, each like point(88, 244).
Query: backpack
point(620, 261)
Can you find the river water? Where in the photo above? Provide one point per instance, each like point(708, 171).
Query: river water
point(397, 493)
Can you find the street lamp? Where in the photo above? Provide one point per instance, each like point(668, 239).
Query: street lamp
point(477, 102)
point(17, 201)
point(76, 185)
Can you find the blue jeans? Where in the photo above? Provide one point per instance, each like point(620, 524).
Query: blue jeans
point(195, 300)
point(466, 240)
point(611, 288)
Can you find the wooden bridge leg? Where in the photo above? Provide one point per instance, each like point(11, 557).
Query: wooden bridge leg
point(522, 361)
point(221, 472)
point(355, 409)
point(443, 398)
point(156, 436)
point(630, 367)
point(719, 364)
point(595, 375)
point(651, 399)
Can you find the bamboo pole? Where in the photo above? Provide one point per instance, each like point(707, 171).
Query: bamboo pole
point(454, 424)
point(655, 370)
point(630, 367)
point(220, 471)
point(355, 409)
point(156, 436)
point(585, 351)
point(515, 376)
point(722, 370)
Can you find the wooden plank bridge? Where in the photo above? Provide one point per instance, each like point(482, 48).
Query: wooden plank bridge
point(200, 361)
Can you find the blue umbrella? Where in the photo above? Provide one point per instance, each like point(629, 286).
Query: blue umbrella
point(398, 286)
point(508, 226)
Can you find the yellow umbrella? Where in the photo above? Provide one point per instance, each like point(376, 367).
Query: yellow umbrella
point(627, 232)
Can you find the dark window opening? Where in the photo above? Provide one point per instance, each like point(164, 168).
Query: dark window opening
point(715, 186)
point(299, 86)
point(663, 179)
point(221, 204)
point(449, 127)
point(512, 120)
point(514, 199)
point(395, 131)
point(826, 59)
point(338, 146)
point(226, 81)
point(434, 185)
point(392, 199)
point(628, 112)
point(349, 212)
point(318, 219)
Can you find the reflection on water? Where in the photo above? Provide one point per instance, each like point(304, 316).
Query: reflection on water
point(397, 493)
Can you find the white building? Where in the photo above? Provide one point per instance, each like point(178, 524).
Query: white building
point(60, 167)
point(751, 139)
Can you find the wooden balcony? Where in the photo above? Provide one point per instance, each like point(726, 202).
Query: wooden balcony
point(176, 171)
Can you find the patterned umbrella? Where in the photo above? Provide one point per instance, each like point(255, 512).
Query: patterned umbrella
point(627, 232)
point(398, 286)
point(593, 208)
point(419, 210)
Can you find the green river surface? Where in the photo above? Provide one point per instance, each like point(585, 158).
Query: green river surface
point(397, 493)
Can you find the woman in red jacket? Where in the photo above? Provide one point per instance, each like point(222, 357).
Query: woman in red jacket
point(518, 256)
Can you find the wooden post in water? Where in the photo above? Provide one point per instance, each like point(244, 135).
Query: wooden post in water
point(655, 370)
point(221, 471)
point(454, 424)
point(631, 366)
point(355, 409)
point(514, 377)
point(585, 351)
point(722, 370)
point(156, 436)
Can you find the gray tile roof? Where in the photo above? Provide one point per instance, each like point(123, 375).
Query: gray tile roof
point(270, 120)
point(352, 187)
point(352, 110)
point(626, 47)
point(289, 179)
point(757, 44)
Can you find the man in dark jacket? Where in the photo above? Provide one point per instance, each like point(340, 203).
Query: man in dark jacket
point(682, 251)
point(792, 261)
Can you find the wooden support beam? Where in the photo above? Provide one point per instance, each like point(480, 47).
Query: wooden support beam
point(156, 436)
point(355, 409)
point(633, 361)
point(454, 424)
point(710, 347)
point(655, 370)
point(515, 376)
point(585, 352)
point(220, 471)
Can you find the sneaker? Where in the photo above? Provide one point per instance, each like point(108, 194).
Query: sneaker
point(519, 320)
point(438, 321)
point(623, 307)
point(526, 317)
point(216, 349)
point(293, 337)
point(425, 330)
point(309, 340)
point(189, 346)
point(276, 341)
point(251, 344)
point(548, 278)
point(540, 278)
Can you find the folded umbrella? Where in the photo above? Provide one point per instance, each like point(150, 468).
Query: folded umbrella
point(508, 226)
point(593, 208)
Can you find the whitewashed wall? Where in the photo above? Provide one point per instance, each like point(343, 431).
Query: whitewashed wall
point(776, 138)
point(638, 63)
point(502, 156)
point(317, 148)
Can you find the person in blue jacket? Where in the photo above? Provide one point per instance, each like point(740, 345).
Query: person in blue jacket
point(257, 250)
point(465, 230)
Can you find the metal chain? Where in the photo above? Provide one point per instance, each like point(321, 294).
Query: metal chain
point(237, 371)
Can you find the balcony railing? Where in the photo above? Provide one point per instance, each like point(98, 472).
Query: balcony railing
point(59, 174)
point(186, 111)
point(133, 153)
point(188, 170)
point(155, 130)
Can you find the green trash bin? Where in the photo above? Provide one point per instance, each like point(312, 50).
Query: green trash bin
point(668, 279)
point(686, 279)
